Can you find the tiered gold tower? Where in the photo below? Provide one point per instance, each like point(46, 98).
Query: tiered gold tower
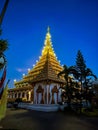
point(46, 68)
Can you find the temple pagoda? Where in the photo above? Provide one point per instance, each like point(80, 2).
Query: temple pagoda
point(41, 85)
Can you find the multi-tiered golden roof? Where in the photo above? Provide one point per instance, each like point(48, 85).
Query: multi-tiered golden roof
point(47, 68)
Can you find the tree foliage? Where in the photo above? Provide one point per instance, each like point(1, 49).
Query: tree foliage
point(3, 48)
point(68, 89)
point(79, 74)
point(80, 62)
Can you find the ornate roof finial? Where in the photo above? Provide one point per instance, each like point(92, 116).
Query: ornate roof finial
point(48, 44)
point(48, 29)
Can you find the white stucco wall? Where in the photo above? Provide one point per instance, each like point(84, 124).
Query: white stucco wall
point(47, 88)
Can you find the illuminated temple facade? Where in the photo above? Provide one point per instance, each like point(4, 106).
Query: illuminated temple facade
point(41, 85)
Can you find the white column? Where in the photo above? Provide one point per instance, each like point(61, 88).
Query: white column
point(13, 95)
point(60, 93)
point(29, 95)
point(10, 95)
point(47, 93)
point(25, 95)
point(51, 93)
point(17, 95)
point(35, 95)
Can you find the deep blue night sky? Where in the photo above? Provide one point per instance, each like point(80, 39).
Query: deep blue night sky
point(73, 23)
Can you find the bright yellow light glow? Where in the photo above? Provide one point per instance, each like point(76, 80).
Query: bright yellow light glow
point(14, 80)
point(23, 74)
point(28, 69)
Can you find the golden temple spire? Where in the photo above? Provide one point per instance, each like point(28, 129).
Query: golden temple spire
point(48, 44)
point(48, 37)
point(48, 29)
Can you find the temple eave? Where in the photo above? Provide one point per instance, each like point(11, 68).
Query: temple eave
point(20, 88)
point(49, 79)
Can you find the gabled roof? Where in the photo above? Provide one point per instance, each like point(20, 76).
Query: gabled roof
point(47, 67)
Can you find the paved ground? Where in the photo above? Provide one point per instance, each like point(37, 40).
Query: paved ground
point(33, 120)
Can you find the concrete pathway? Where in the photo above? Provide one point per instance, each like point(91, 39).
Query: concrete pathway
point(19, 119)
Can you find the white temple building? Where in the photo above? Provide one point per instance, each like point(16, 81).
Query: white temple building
point(41, 85)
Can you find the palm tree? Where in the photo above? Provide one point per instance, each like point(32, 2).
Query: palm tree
point(3, 43)
point(88, 72)
point(88, 94)
point(3, 48)
point(66, 72)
